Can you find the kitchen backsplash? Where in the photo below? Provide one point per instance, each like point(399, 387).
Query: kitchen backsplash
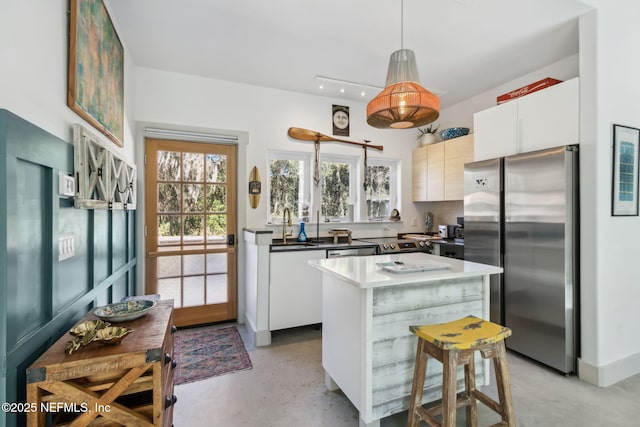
point(358, 229)
point(443, 212)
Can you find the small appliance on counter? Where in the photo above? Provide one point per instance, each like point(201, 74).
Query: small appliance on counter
point(448, 231)
point(460, 230)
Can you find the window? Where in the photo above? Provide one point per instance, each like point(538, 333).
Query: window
point(289, 175)
point(339, 178)
point(290, 186)
point(381, 178)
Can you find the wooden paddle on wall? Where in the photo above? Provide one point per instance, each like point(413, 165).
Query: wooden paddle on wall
point(310, 135)
point(317, 137)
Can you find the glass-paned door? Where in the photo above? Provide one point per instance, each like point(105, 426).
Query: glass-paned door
point(191, 228)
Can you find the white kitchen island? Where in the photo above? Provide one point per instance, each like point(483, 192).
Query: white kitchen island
point(367, 349)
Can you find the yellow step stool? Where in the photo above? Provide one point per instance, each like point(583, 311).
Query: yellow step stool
point(454, 344)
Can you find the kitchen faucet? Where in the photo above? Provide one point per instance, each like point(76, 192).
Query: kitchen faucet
point(286, 213)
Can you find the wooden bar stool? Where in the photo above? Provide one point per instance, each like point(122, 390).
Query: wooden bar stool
point(454, 344)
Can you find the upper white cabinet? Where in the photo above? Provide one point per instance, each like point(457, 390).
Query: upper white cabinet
point(496, 131)
point(544, 119)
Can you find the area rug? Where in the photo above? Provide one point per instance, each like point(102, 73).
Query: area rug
point(209, 352)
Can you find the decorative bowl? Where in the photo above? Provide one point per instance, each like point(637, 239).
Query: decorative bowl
point(124, 311)
point(453, 133)
point(88, 327)
point(83, 335)
point(111, 334)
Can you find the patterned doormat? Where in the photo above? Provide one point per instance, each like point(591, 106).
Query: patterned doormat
point(207, 353)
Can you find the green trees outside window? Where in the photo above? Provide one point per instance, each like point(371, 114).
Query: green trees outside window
point(341, 185)
point(284, 176)
point(378, 179)
point(335, 180)
point(192, 197)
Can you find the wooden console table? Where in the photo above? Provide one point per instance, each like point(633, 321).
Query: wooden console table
point(129, 384)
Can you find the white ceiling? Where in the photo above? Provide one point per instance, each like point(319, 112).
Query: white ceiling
point(463, 47)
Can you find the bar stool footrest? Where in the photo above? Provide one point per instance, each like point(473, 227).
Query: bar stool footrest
point(436, 409)
point(492, 404)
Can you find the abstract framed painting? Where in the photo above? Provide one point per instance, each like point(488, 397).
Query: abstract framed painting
point(96, 68)
point(624, 195)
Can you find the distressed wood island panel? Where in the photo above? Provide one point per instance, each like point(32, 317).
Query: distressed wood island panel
point(367, 349)
point(394, 346)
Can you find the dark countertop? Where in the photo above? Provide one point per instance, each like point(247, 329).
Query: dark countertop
point(311, 245)
point(457, 242)
point(327, 243)
point(258, 230)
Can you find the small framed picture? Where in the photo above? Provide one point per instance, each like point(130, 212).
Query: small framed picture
point(624, 194)
point(340, 120)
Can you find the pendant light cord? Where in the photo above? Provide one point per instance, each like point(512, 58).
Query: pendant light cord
point(401, 24)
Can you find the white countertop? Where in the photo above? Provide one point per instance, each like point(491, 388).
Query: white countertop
point(363, 272)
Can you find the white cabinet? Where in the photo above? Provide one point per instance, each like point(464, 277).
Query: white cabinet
point(544, 119)
point(549, 118)
point(295, 289)
point(495, 131)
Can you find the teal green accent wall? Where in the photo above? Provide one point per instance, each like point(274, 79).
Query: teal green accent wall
point(41, 297)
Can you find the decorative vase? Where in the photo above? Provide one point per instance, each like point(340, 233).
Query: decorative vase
point(428, 138)
point(302, 235)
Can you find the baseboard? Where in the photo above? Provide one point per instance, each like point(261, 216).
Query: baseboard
point(604, 376)
point(259, 338)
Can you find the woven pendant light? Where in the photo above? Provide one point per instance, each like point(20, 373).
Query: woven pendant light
point(403, 103)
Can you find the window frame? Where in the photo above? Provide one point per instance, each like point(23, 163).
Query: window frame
point(306, 176)
point(395, 177)
point(313, 193)
point(355, 181)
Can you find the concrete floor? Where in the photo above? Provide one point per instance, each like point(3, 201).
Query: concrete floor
point(286, 388)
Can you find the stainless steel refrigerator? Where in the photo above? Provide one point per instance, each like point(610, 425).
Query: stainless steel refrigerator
point(521, 213)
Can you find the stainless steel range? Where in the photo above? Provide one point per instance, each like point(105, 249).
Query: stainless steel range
point(393, 245)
